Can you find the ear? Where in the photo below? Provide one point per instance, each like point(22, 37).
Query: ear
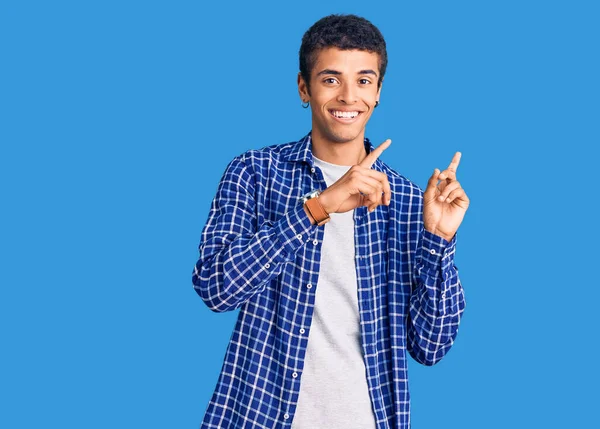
point(379, 90)
point(303, 89)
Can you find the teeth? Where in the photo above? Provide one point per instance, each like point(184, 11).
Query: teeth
point(339, 114)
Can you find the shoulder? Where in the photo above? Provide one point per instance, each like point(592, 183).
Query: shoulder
point(275, 152)
point(260, 166)
point(273, 159)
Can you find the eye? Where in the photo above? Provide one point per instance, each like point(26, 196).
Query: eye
point(330, 80)
point(364, 81)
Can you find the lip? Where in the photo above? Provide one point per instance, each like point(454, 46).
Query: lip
point(345, 120)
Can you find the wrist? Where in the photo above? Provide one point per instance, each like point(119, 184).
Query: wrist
point(324, 200)
point(312, 206)
point(435, 231)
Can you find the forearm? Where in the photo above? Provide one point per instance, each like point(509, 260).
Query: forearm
point(232, 269)
point(437, 301)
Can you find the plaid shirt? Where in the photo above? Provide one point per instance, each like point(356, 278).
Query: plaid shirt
point(259, 253)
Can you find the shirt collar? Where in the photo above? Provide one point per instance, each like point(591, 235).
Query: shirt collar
point(302, 150)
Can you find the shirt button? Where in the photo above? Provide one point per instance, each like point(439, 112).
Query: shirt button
point(443, 295)
point(295, 375)
point(432, 251)
point(309, 285)
point(299, 236)
point(315, 242)
point(312, 170)
point(267, 265)
point(302, 331)
point(286, 416)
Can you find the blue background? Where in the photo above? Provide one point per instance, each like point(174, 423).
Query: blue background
point(118, 119)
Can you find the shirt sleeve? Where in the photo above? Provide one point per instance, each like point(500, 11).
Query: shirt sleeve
point(238, 258)
point(437, 300)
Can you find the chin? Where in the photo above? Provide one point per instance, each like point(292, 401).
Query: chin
point(341, 140)
point(344, 137)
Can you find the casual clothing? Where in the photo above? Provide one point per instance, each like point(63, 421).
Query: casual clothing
point(259, 253)
point(333, 392)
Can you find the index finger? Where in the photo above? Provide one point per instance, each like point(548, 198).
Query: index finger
point(455, 161)
point(372, 157)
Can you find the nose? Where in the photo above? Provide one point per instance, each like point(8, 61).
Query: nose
point(347, 94)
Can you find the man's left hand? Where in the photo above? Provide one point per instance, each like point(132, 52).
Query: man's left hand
point(444, 204)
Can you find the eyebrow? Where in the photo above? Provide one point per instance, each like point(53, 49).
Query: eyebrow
point(335, 72)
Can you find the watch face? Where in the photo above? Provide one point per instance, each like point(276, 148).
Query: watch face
point(310, 195)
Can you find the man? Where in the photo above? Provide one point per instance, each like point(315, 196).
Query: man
point(333, 287)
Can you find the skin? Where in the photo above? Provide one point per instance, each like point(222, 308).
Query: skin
point(346, 80)
point(338, 84)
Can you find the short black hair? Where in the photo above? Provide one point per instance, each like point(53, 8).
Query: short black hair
point(344, 32)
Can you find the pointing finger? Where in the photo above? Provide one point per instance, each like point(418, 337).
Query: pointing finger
point(455, 161)
point(450, 172)
point(372, 157)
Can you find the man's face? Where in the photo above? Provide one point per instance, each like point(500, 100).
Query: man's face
point(343, 92)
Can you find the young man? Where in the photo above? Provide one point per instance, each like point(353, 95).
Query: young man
point(339, 265)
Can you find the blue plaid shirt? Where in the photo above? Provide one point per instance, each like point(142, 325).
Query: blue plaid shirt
point(259, 253)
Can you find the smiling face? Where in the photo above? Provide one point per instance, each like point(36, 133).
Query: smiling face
point(343, 93)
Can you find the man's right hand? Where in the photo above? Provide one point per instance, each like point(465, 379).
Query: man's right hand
point(360, 186)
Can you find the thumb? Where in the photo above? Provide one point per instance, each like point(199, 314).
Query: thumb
point(432, 185)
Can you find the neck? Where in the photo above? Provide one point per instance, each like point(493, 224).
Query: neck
point(341, 153)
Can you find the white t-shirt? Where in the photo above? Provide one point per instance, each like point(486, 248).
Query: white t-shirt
point(333, 389)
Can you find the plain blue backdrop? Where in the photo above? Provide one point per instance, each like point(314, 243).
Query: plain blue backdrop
point(118, 119)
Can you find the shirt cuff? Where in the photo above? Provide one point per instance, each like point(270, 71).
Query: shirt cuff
point(293, 230)
point(437, 252)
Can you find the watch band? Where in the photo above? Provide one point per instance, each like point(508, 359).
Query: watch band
point(316, 210)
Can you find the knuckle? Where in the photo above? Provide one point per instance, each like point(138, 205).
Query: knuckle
point(355, 179)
